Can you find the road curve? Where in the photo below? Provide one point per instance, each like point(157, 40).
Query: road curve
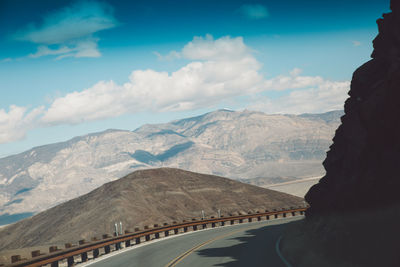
point(247, 244)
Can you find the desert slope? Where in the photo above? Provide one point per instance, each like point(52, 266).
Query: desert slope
point(141, 198)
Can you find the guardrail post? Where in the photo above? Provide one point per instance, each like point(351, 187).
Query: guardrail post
point(276, 216)
point(185, 229)
point(166, 233)
point(84, 257)
point(204, 226)
point(293, 213)
point(15, 258)
point(127, 243)
point(157, 235)
point(232, 222)
point(259, 218)
point(96, 253)
point(212, 225)
point(70, 261)
point(240, 220)
point(250, 219)
point(147, 237)
point(84, 254)
point(107, 248)
point(284, 215)
point(267, 217)
point(137, 240)
point(222, 223)
point(176, 231)
point(53, 248)
point(194, 227)
point(35, 253)
point(54, 264)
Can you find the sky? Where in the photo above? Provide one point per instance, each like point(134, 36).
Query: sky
point(70, 68)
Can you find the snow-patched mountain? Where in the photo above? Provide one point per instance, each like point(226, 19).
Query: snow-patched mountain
point(233, 144)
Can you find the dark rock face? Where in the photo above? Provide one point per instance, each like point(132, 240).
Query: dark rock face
point(363, 165)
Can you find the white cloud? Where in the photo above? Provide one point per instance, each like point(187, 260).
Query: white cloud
point(293, 81)
point(224, 48)
point(169, 57)
point(225, 69)
point(87, 48)
point(44, 51)
point(69, 31)
point(323, 96)
point(218, 71)
point(255, 11)
point(206, 48)
point(15, 123)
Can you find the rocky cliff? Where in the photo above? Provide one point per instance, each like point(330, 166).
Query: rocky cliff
point(362, 166)
point(355, 208)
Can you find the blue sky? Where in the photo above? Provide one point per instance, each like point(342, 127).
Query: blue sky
point(68, 68)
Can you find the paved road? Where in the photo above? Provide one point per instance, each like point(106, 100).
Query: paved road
point(248, 244)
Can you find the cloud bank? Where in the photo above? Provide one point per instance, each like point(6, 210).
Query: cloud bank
point(15, 123)
point(69, 32)
point(217, 70)
point(221, 68)
point(318, 97)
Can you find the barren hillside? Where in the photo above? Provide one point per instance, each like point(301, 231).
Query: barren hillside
point(141, 198)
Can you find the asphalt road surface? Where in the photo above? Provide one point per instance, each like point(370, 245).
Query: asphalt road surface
point(247, 244)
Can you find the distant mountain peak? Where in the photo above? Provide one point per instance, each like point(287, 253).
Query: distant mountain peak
point(235, 144)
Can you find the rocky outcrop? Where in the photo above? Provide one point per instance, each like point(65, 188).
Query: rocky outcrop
point(355, 209)
point(362, 166)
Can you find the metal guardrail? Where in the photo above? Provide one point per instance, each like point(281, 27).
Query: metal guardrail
point(68, 254)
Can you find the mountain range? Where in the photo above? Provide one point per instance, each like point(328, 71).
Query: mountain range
point(239, 145)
